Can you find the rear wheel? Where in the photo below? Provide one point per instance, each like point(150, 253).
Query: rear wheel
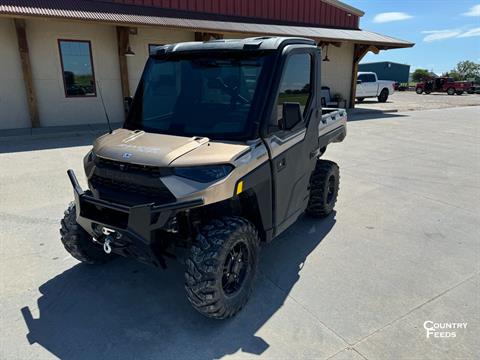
point(324, 185)
point(360, 100)
point(78, 242)
point(383, 97)
point(451, 91)
point(459, 92)
point(419, 91)
point(221, 269)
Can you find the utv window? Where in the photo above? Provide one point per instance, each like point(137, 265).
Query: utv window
point(296, 82)
point(199, 95)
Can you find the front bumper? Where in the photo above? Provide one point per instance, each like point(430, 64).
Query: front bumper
point(134, 226)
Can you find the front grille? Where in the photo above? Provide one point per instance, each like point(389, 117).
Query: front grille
point(132, 188)
point(152, 171)
point(129, 184)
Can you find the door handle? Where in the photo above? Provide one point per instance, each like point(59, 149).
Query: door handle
point(282, 164)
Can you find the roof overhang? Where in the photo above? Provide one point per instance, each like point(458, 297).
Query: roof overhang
point(325, 35)
point(345, 7)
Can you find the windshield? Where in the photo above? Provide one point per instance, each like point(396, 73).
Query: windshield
point(211, 95)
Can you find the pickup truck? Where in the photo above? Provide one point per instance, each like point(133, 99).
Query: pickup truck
point(442, 84)
point(368, 86)
point(221, 151)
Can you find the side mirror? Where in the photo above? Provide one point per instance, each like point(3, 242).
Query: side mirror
point(359, 82)
point(291, 116)
point(127, 103)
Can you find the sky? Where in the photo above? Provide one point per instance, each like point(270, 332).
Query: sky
point(445, 32)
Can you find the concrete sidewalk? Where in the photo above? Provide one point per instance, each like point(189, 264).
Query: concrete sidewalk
point(402, 249)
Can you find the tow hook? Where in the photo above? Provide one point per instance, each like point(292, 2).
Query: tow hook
point(110, 236)
point(106, 245)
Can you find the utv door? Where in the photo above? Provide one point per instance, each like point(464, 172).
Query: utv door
point(294, 151)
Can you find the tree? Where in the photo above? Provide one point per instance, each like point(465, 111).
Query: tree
point(468, 70)
point(455, 75)
point(419, 74)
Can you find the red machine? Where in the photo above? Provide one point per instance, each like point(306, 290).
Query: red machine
point(442, 84)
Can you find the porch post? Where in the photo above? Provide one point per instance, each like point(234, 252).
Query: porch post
point(359, 52)
point(20, 27)
point(123, 41)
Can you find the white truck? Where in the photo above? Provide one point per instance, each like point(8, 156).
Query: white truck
point(368, 86)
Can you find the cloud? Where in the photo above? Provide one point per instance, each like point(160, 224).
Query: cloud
point(470, 33)
point(435, 35)
point(391, 16)
point(474, 11)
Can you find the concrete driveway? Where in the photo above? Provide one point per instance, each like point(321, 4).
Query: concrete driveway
point(402, 249)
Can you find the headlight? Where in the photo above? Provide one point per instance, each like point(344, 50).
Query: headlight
point(204, 174)
point(91, 156)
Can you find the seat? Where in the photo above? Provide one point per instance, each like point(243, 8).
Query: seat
point(327, 99)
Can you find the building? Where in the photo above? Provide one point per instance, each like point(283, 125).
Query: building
point(58, 57)
point(387, 70)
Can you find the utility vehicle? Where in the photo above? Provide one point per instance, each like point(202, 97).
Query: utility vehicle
point(219, 152)
point(368, 86)
point(442, 84)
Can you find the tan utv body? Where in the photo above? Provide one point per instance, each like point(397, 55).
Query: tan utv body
point(219, 153)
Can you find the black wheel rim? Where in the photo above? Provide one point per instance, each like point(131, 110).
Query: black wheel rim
point(330, 189)
point(235, 269)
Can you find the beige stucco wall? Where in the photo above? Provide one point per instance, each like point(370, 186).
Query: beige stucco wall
point(13, 103)
point(139, 44)
point(337, 73)
point(54, 107)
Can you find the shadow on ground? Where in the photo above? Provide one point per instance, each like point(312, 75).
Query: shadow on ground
point(128, 310)
point(359, 114)
point(50, 141)
point(19, 140)
point(372, 101)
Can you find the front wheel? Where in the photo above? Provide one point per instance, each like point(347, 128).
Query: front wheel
point(360, 100)
point(451, 91)
point(459, 92)
point(221, 269)
point(78, 242)
point(324, 186)
point(383, 97)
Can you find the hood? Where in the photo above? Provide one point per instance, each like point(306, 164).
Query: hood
point(139, 147)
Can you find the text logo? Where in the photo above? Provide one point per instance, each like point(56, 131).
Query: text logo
point(442, 330)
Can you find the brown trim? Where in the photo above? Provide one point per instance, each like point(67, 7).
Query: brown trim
point(63, 69)
point(123, 40)
point(20, 27)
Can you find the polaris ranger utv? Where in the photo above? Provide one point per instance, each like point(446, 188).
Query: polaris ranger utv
point(219, 152)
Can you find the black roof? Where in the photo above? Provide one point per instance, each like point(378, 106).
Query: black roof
point(254, 43)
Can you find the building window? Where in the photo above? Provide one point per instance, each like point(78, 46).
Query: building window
point(151, 47)
point(77, 68)
point(295, 85)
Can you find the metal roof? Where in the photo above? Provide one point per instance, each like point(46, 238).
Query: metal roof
point(133, 15)
point(346, 7)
